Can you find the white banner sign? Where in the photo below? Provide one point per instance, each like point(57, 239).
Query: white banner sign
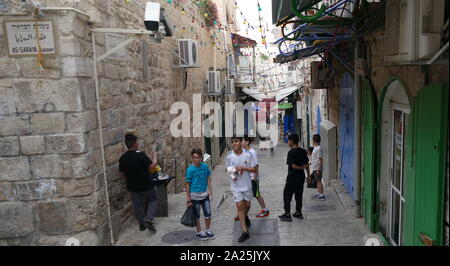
point(299, 110)
point(24, 39)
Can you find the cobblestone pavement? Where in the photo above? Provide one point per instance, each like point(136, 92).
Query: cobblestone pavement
point(329, 222)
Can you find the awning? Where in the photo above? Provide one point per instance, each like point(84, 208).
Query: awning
point(284, 106)
point(282, 9)
point(286, 92)
point(256, 94)
point(241, 41)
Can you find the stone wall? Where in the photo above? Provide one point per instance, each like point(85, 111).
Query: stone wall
point(51, 177)
point(414, 77)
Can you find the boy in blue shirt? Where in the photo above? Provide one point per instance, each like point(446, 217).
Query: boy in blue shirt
point(199, 191)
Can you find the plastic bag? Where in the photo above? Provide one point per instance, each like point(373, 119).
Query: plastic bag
point(311, 182)
point(231, 171)
point(188, 218)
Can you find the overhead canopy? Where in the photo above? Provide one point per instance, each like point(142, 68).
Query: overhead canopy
point(282, 9)
point(241, 41)
point(284, 106)
point(256, 94)
point(281, 94)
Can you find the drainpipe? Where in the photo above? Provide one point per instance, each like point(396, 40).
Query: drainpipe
point(254, 64)
point(102, 145)
point(214, 58)
point(357, 133)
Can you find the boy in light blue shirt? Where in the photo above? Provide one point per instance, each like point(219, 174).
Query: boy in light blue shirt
point(199, 191)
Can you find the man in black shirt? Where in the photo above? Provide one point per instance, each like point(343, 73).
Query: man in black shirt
point(297, 161)
point(135, 166)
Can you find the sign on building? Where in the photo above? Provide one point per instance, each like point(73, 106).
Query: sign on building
point(112, 40)
point(27, 37)
point(299, 110)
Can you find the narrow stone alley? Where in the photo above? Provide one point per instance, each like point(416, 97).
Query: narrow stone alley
point(326, 223)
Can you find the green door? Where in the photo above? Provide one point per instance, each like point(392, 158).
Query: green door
point(426, 167)
point(368, 109)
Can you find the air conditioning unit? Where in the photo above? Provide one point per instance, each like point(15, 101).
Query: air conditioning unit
point(244, 61)
point(188, 53)
point(230, 87)
point(413, 29)
point(214, 82)
point(321, 76)
point(231, 66)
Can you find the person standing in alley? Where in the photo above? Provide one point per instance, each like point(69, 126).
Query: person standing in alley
point(297, 161)
point(199, 192)
point(135, 165)
point(255, 178)
point(239, 164)
point(316, 167)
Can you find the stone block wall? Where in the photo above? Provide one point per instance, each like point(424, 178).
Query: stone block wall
point(51, 175)
point(414, 77)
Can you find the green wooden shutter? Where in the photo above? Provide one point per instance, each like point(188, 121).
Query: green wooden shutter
point(425, 180)
point(369, 147)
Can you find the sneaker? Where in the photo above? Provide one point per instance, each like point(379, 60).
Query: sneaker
point(262, 213)
point(202, 236)
point(285, 217)
point(150, 226)
point(142, 227)
point(247, 221)
point(210, 235)
point(298, 215)
point(321, 197)
point(315, 195)
point(243, 237)
point(237, 218)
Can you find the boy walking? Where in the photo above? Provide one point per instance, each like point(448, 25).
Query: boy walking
point(199, 191)
point(242, 164)
point(255, 178)
point(135, 166)
point(297, 162)
point(316, 167)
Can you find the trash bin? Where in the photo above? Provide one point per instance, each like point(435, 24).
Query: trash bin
point(161, 190)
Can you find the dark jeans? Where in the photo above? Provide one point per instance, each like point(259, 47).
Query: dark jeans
point(317, 176)
point(204, 204)
point(145, 204)
point(294, 185)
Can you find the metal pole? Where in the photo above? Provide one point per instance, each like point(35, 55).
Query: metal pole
point(214, 58)
point(254, 64)
point(102, 147)
point(176, 175)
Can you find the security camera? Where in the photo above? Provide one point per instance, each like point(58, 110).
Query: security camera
point(152, 16)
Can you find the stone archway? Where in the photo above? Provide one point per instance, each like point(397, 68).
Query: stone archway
point(394, 110)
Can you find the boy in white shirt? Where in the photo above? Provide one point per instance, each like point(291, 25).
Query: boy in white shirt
point(240, 182)
point(255, 178)
point(316, 167)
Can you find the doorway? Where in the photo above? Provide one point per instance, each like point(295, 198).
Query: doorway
point(400, 116)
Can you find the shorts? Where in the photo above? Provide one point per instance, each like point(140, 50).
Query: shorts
point(255, 188)
point(240, 196)
point(204, 204)
point(316, 176)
